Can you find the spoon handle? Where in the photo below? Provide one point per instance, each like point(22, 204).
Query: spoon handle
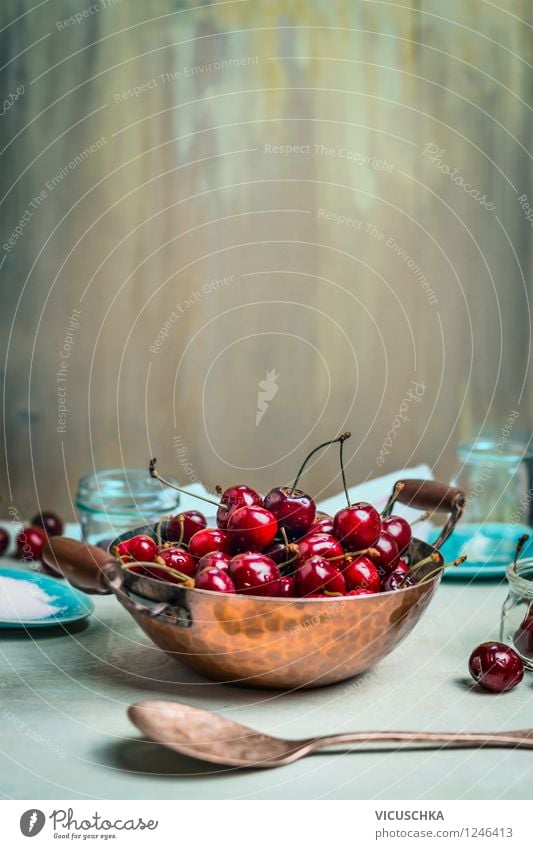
point(506, 740)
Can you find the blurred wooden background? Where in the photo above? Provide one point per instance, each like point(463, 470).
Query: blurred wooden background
point(204, 251)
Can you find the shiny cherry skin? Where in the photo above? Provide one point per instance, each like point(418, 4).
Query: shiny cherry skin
point(323, 545)
point(251, 528)
point(49, 522)
point(384, 555)
point(357, 527)
point(287, 586)
point(400, 530)
point(323, 524)
point(318, 575)
point(361, 573)
point(4, 540)
point(294, 510)
point(209, 539)
point(360, 591)
point(142, 548)
point(191, 520)
point(216, 580)
point(234, 497)
point(254, 574)
point(177, 559)
point(399, 578)
point(214, 560)
point(495, 667)
point(30, 543)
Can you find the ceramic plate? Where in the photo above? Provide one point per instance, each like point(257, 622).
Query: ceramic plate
point(490, 548)
point(68, 604)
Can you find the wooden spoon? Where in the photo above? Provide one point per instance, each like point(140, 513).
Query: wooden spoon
point(209, 737)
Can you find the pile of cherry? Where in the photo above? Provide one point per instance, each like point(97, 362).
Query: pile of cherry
point(279, 546)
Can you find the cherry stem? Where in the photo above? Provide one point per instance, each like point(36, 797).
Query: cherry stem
point(519, 546)
point(182, 530)
point(155, 474)
point(444, 566)
point(433, 558)
point(392, 500)
point(283, 533)
point(423, 518)
point(340, 439)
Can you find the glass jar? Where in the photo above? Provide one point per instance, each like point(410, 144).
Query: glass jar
point(113, 501)
point(495, 473)
point(517, 612)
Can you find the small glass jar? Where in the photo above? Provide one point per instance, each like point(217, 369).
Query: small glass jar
point(517, 612)
point(113, 501)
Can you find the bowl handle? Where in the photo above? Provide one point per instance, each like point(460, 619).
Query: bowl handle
point(434, 496)
point(83, 565)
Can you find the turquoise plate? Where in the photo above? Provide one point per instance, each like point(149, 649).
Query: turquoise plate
point(490, 548)
point(70, 604)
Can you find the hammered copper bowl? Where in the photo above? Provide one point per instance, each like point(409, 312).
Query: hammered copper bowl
point(265, 642)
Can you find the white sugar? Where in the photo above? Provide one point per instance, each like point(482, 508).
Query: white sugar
point(24, 601)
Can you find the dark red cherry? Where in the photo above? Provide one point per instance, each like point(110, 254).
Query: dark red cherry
point(322, 525)
point(361, 573)
point(176, 558)
point(49, 522)
point(216, 580)
point(523, 636)
point(293, 509)
point(30, 543)
point(323, 545)
point(234, 497)
point(357, 527)
point(4, 540)
point(399, 578)
point(142, 548)
point(254, 574)
point(281, 554)
point(495, 667)
point(384, 555)
point(214, 560)
point(400, 530)
point(287, 588)
point(209, 539)
point(251, 528)
point(184, 525)
point(360, 591)
point(318, 575)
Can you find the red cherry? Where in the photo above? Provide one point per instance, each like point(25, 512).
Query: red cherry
point(323, 545)
point(317, 574)
point(234, 497)
point(294, 510)
point(142, 548)
point(251, 528)
point(30, 543)
point(287, 587)
point(322, 525)
point(400, 530)
point(495, 667)
point(254, 574)
point(523, 636)
point(156, 572)
point(216, 580)
point(357, 527)
point(384, 555)
point(176, 558)
point(360, 591)
point(209, 539)
point(282, 554)
point(49, 522)
point(361, 573)
point(4, 540)
point(184, 525)
point(214, 560)
point(399, 578)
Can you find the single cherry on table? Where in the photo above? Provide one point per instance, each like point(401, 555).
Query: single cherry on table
point(496, 667)
point(49, 522)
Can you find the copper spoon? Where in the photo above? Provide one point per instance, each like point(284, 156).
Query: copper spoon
point(209, 737)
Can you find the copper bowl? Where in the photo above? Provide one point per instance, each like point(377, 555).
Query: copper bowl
point(266, 642)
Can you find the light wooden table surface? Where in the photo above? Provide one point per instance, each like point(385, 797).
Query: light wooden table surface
point(65, 733)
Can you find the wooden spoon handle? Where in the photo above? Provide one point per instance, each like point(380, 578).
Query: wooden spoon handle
point(506, 739)
point(80, 563)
